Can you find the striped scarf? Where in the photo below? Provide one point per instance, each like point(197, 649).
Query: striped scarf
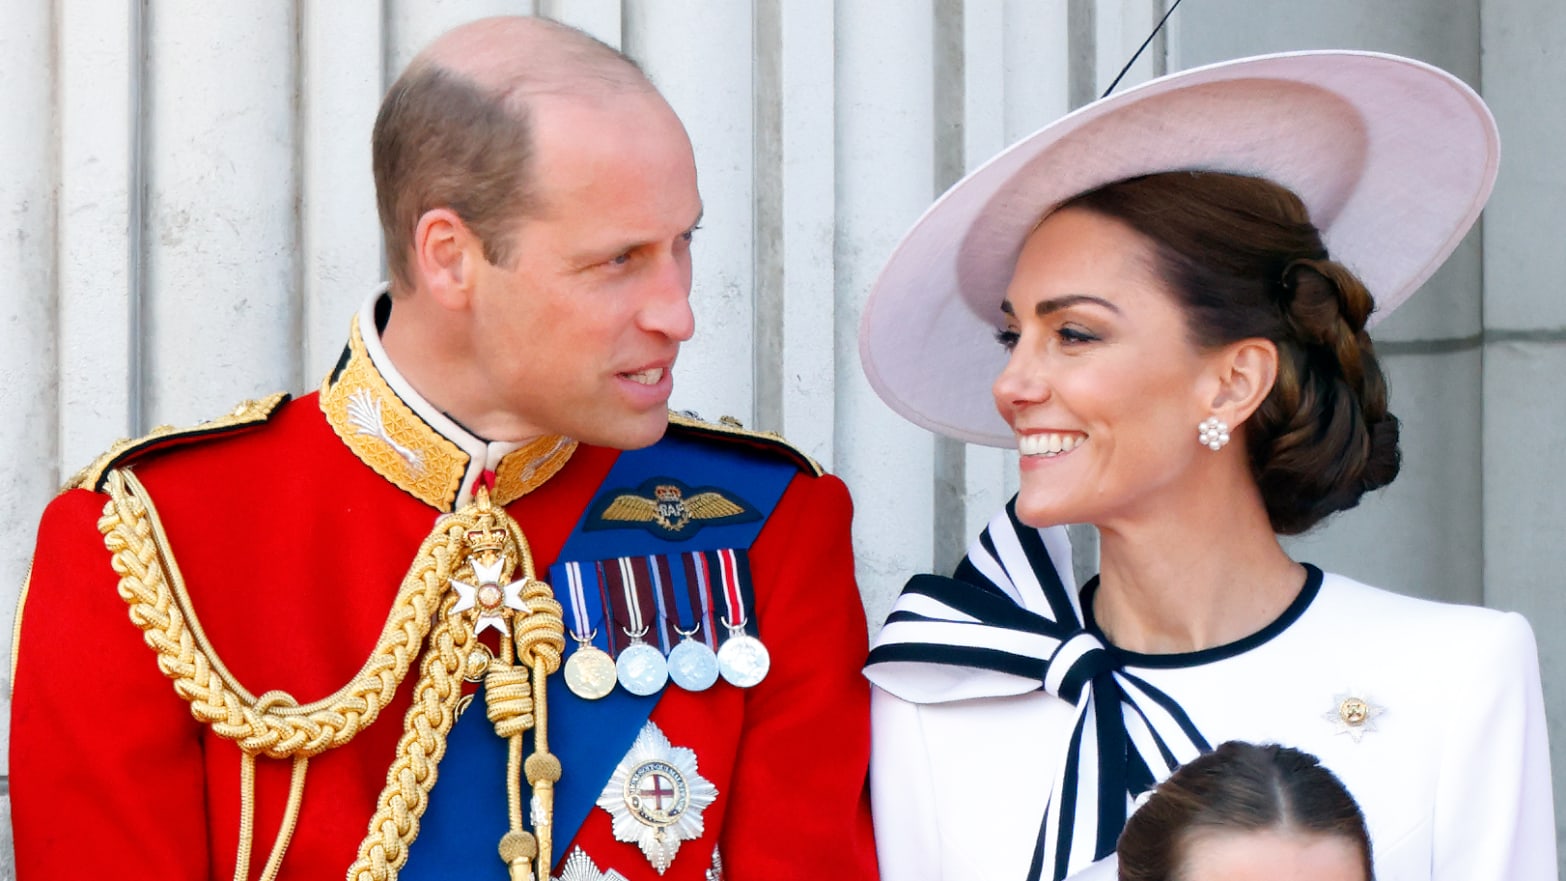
point(1005, 625)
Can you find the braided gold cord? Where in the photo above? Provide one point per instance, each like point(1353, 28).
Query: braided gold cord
point(395, 824)
point(275, 724)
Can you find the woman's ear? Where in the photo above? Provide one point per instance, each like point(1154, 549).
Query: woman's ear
point(444, 249)
point(1246, 372)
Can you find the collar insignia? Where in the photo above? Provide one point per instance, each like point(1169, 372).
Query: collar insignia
point(668, 509)
point(390, 436)
point(1353, 713)
point(656, 797)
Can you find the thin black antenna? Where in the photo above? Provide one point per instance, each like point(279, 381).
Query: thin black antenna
point(1156, 28)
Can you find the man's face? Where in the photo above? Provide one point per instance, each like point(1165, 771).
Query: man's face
point(582, 329)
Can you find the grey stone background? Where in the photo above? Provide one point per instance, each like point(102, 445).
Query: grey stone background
point(187, 220)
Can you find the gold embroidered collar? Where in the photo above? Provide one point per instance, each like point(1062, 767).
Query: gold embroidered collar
point(421, 450)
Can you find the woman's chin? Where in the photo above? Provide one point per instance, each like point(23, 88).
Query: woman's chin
point(1040, 512)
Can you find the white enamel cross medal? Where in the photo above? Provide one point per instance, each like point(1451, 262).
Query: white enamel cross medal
point(656, 797)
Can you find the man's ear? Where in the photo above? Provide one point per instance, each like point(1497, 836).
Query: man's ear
point(1246, 372)
point(444, 251)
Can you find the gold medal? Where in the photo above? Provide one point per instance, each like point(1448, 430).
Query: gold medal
point(589, 672)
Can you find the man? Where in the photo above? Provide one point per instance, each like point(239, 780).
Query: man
point(315, 636)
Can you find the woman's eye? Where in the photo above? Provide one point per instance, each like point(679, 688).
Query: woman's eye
point(1007, 338)
point(1071, 335)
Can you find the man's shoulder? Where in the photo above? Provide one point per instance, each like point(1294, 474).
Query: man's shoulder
point(728, 434)
point(247, 416)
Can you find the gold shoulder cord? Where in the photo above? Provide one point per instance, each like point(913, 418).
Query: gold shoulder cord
point(477, 547)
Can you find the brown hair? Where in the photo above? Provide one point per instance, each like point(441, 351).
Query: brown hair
point(1238, 787)
point(443, 139)
point(1245, 261)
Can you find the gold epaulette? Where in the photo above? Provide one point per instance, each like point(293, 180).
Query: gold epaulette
point(729, 429)
point(245, 415)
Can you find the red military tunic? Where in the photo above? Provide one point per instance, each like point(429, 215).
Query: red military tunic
point(292, 548)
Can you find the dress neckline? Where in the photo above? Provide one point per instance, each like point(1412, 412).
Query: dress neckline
point(1127, 658)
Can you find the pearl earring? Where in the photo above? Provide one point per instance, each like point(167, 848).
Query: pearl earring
point(1212, 433)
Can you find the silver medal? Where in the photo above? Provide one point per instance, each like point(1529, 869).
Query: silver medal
point(743, 660)
point(692, 665)
point(590, 672)
point(642, 668)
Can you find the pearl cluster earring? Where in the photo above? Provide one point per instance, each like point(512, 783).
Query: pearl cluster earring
point(1212, 433)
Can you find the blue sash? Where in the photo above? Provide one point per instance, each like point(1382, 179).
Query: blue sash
point(466, 815)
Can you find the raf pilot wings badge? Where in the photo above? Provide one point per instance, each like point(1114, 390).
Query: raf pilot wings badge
point(669, 509)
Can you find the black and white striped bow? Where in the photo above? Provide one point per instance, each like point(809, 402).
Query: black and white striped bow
point(1006, 625)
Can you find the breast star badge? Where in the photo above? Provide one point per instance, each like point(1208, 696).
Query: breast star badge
point(580, 867)
point(1353, 713)
point(656, 797)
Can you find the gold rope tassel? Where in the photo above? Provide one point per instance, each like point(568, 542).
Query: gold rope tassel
point(516, 700)
point(513, 694)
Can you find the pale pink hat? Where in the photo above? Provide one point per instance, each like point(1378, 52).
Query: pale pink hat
point(1394, 158)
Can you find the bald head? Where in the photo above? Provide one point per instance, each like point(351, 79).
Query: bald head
point(456, 129)
point(516, 57)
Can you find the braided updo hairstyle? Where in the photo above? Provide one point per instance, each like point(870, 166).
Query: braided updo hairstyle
point(1244, 260)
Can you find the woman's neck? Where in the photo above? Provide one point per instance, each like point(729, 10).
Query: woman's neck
point(1185, 583)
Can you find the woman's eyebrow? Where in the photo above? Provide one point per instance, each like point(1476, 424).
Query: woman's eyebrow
point(1045, 307)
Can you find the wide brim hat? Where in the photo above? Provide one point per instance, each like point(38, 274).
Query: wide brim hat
point(1393, 158)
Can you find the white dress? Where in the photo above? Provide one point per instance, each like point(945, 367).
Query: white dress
point(1451, 769)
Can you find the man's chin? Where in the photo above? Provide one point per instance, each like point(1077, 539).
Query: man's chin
point(633, 433)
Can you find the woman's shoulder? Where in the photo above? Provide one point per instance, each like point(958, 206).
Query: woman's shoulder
point(1421, 626)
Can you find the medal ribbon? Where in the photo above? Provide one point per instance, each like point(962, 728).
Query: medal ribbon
point(734, 573)
point(1007, 620)
point(631, 596)
point(658, 578)
point(582, 621)
point(698, 587)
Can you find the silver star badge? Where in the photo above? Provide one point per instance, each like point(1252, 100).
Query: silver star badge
point(1353, 713)
point(490, 595)
point(579, 867)
point(656, 797)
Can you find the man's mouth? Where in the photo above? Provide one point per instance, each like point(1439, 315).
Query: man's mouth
point(646, 377)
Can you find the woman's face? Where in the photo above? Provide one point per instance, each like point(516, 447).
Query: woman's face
point(1103, 388)
point(1271, 855)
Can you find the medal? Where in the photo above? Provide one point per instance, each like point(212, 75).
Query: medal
point(692, 665)
point(642, 668)
point(656, 797)
point(742, 659)
point(589, 672)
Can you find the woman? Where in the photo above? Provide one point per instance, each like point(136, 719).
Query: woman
point(1248, 812)
point(1183, 363)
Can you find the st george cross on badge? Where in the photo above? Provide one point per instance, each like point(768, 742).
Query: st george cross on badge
point(656, 797)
